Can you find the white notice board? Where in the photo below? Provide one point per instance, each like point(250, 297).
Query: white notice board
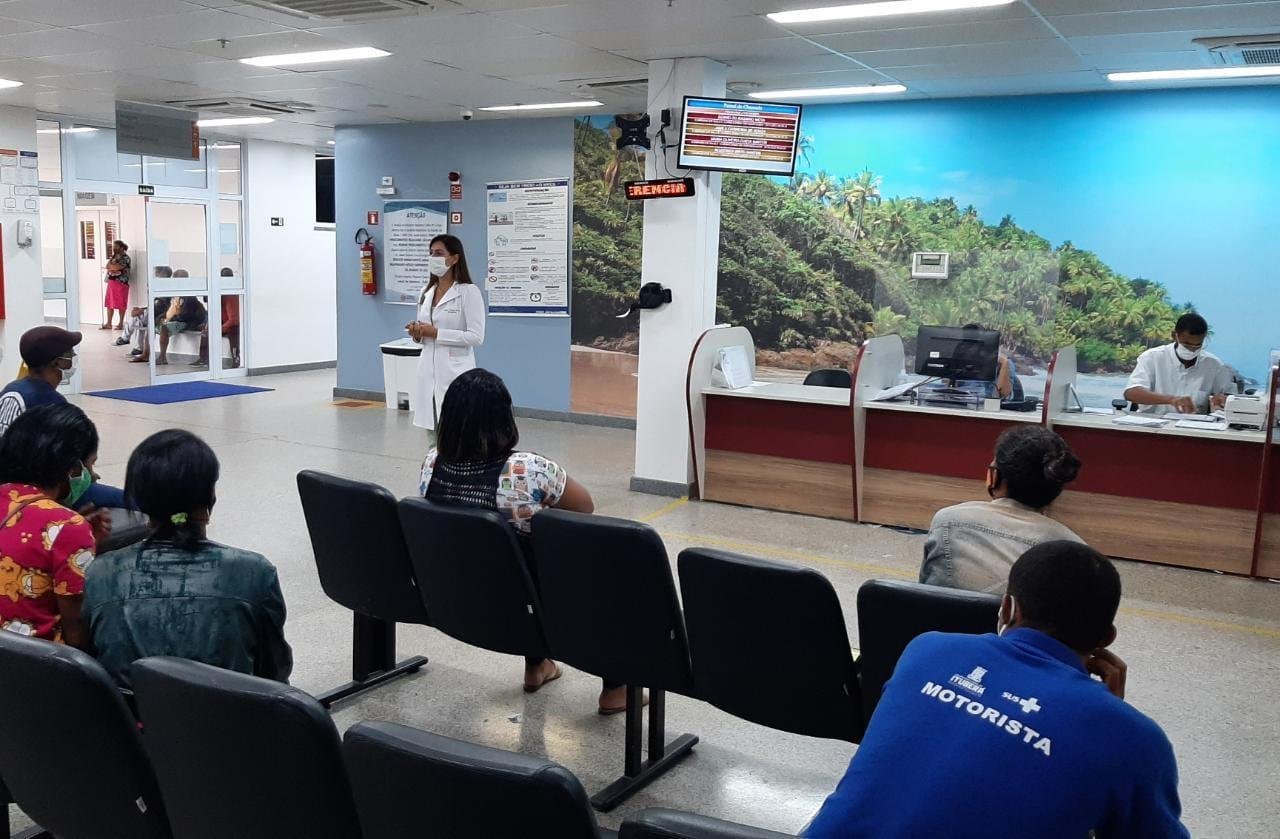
point(410, 226)
point(527, 265)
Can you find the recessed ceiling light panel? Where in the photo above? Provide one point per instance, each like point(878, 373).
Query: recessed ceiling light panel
point(294, 59)
point(545, 106)
point(1203, 73)
point(224, 121)
point(818, 92)
point(886, 9)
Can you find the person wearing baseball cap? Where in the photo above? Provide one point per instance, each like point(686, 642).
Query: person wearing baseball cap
point(49, 359)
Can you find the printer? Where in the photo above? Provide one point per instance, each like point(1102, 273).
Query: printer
point(1245, 412)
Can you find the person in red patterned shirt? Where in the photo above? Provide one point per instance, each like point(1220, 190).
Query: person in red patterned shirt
point(46, 464)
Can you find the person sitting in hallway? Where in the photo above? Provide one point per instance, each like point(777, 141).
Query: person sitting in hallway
point(46, 465)
point(230, 306)
point(139, 319)
point(185, 314)
point(972, 545)
point(177, 593)
point(159, 309)
point(1181, 377)
point(49, 358)
point(1009, 735)
point(476, 462)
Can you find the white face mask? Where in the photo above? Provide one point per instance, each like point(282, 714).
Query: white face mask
point(69, 372)
point(1187, 354)
point(436, 265)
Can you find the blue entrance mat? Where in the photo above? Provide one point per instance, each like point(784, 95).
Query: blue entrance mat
point(177, 392)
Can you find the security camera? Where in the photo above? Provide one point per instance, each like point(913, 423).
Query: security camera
point(466, 114)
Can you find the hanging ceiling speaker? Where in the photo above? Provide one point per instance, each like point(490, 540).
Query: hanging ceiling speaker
point(635, 130)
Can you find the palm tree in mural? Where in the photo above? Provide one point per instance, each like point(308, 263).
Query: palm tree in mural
point(804, 149)
point(854, 195)
point(821, 187)
point(798, 182)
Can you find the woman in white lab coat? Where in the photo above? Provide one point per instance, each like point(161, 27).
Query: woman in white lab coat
point(450, 326)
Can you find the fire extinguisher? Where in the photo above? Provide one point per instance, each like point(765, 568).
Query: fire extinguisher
point(368, 275)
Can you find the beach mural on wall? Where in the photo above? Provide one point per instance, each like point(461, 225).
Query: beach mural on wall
point(1086, 220)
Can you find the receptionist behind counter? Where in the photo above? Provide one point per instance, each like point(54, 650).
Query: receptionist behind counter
point(1181, 376)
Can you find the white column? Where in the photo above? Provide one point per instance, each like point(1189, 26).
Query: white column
point(681, 251)
point(23, 287)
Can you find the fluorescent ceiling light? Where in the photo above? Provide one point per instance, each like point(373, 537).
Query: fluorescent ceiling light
point(318, 57)
point(224, 145)
point(9, 83)
point(1191, 75)
point(545, 106)
point(78, 129)
point(214, 123)
point(811, 92)
point(330, 142)
point(887, 9)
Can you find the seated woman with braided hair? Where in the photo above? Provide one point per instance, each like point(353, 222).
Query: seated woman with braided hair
point(973, 545)
point(177, 593)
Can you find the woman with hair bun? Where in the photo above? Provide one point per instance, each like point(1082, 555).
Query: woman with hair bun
point(178, 593)
point(973, 545)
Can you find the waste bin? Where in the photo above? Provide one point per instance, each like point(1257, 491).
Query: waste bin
point(400, 372)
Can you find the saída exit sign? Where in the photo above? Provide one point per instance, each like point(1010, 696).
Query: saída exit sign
point(661, 188)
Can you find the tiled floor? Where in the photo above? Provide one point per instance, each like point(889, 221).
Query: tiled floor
point(1202, 648)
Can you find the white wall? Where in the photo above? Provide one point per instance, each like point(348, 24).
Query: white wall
point(292, 307)
point(23, 288)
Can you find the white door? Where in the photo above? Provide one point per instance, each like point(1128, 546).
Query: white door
point(95, 230)
point(178, 253)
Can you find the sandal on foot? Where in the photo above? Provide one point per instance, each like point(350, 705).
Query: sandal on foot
point(550, 677)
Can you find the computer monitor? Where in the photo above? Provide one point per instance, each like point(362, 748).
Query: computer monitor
point(954, 352)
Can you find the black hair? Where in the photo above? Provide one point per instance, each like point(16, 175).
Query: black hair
point(164, 272)
point(1035, 464)
point(121, 245)
point(173, 474)
point(454, 246)
point(45, 444)
point(226, 272)
point(1191, 324)
point(476, 420)
point(1068, 591)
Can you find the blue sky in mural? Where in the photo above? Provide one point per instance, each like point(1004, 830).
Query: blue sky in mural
point(1182, 187)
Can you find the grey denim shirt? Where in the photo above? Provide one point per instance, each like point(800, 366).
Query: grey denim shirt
point(973, 545)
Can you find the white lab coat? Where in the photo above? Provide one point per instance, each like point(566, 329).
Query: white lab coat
point(459, 317)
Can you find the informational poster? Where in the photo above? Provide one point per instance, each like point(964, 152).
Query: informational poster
point(409, 225)
point(527, 270)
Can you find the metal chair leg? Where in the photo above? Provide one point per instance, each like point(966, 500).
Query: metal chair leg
point(639, 773)
point(373, 659)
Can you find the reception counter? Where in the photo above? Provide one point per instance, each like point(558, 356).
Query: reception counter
point(1198, 498)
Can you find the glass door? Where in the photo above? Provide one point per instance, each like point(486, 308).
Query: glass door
point(178, 253)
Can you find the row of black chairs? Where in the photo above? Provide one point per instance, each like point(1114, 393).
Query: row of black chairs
point(599, 596)
point(225, 754)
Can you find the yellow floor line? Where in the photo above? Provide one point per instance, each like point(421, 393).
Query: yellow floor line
point(787, 553)
point(1158, 614)
point(662, 511)
point(751, 548)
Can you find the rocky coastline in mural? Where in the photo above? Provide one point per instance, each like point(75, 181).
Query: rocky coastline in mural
point(815, 265)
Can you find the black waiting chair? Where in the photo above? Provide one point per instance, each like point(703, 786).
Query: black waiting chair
point(659, 823)
point(473, 577)
point(364, 566)
point(750, 616)
point(413, 783)
point(241, 756)
point(610, 608)
point(893, 612)
point(829, 378)
point(70, 751)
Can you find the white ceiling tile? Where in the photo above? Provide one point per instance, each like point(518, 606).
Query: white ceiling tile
point(31, 69)
point(729, 51)
point(272, 44)
point(47, 42)
point(634, 17)
point(178, 29)
point(1046, 50)
point(76, 12)
point(1116, 62)
point(841, 78)
point(423, 32)
point(589, 65)
point(1077, 7)
point(1145, 41)
point(9, 26)
point(990, 32)
point(124, 59)
point(1022, 66)
point(1264, 17)
point(510, 5)
point(732, 29)
point(216, 73)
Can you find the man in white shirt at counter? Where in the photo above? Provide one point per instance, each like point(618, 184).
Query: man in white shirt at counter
point(1181, 376)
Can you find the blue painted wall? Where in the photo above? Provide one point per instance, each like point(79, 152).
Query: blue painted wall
point(531, 354)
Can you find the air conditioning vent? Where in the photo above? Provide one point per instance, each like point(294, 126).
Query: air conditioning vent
point(241, 107)
point(623, 88)
point(1241, 50)
point(347, 10)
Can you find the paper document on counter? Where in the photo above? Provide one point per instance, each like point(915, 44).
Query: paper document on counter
point(1204, 424)
point(1144, 422)
point(895, 391)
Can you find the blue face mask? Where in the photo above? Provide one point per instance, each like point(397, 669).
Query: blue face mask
point(79, 486)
